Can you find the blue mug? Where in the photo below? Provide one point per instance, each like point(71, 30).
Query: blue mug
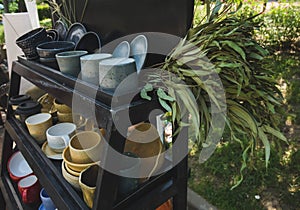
point(46, 200)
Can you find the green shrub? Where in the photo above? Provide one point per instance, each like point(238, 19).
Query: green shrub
point(282, 25)
point(44, 11)
point(278, 27)
point(13, 6)
point(2, 39)
point(46, 23)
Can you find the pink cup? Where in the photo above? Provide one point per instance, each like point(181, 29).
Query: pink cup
point(29, 188)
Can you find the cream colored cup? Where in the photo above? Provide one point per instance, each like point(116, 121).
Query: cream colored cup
point(37, 126)
point(59, 135)
point(87, 183)
point(85, 147)
point(77, 167)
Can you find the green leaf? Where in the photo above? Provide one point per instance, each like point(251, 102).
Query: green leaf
point(266, 143)
point(271, 107)
point(244, 165)
point(229, 65)
point(261, 50)
point(164, 105)
point(144, 95)
point(161, 94)
point(274, 132)
point(241, 113)
point(235, 47)
point(255, 56)
point(148, 87)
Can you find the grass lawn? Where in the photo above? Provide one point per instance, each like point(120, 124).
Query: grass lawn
point(277, 187)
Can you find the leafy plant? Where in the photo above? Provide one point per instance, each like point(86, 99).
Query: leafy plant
point(222, 46)
point(66, 10)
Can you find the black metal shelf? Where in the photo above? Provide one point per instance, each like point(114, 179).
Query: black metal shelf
point(149, 195)
point(9, 193)
point(48, 174)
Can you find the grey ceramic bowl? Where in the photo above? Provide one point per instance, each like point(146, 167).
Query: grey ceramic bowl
point(50, 49)
point(69, 62)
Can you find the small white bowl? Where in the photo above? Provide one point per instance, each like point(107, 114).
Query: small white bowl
point(18, 167)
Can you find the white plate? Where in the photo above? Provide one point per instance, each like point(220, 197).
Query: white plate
point(75, 32)
point(122, 50)
point(138, 50)
point(18, 166)
point(50, 153)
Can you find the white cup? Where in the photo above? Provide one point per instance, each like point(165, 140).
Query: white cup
point(90, 67)
point(59, 135)
point(118, 71)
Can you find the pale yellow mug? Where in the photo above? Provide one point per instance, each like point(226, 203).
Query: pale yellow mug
point(37, 126)
point(85, 147)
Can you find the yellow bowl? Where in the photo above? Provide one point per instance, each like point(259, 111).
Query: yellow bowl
point(63, 108)
point(64, 117)
point(70, 171)
point(77, 167)
point(73, 180)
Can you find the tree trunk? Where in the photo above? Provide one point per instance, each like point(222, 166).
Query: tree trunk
point(21, 6)
point(5, 5)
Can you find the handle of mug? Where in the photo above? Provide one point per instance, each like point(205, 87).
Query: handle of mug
point(66, 139)
point(25, 196)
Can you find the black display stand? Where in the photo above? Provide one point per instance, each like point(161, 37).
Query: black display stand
point(171, 184)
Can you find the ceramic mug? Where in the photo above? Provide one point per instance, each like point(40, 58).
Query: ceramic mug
point(87, 183)
point(38, 124)
point(69, 61)
point(58, 136)
point(60, 107)
point(29, 188)
point(90, 67)
point(113, 71)
point(46, 200)
point(85, 147)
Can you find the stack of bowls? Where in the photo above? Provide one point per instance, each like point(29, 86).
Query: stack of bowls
point(48, 50)
point(83, 151)
point(64, 112)
point(14, 101)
